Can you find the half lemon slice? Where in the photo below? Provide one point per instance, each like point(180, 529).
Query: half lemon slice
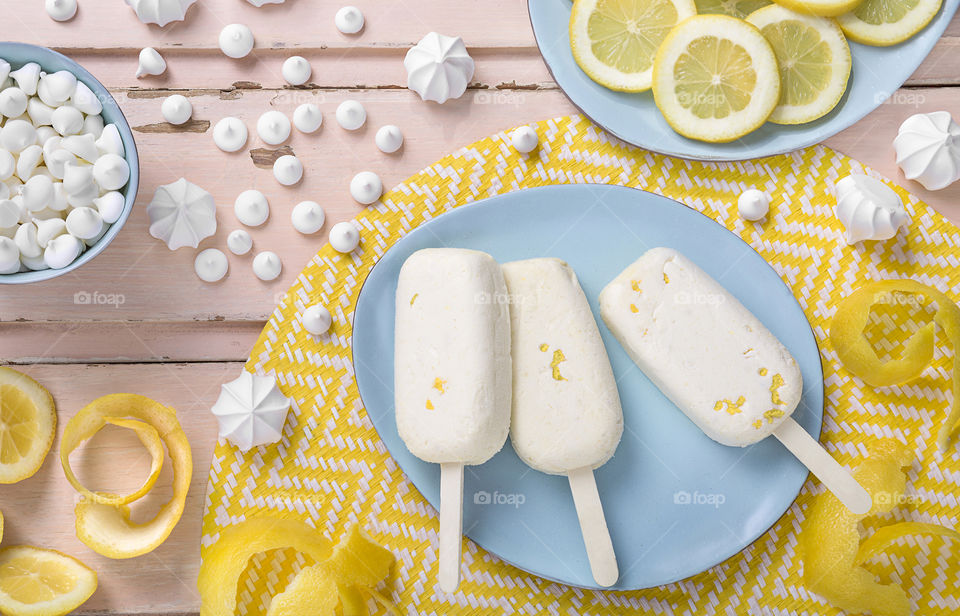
point(715, 78)
point(814, 61)
point(38, 582)
point(28, 423)
point(887, 22)
point(615, 41)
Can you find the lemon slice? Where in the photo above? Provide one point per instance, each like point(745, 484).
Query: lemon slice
point(28, 422)
point(887, 22)
point(733, 8)
point(814, 61)
point(823, 8)
point(715, 78)
point(614, 41)
point(38, 582)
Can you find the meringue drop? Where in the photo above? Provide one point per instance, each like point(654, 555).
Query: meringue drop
point(251, 411)
point(84, 223)
point(56, 88)
point(344, 237)
point(753, 204)
point(438, 67)
point(307, 217)
point(150, 63)
point(37, 192)
point(27, 77)
point(239, 242)
point(288, 170)
point(67, 120)
point(296, 70)
point(110, 141)
point(27, 163)
point(176, 109)
point(110, 206)
point(8, 164)
point(316, 319)
point(524, 139)
point(928, 149)
point(26, 239)
point(85, 100)
point(182, 214)
point(351, 115)
point(9, 256)
point(349, 20)
point(236, 40)
point(10, 214)
point(17, 135)
point(260, 3)
point(389, 139)
point(49, 229)
point(13, 102)
point(61, 10)
point(267, 266)
point(230, 134)
point(40, 113)
point(366, 187)
point(307, 118)
point(869, 209)
point(62, 251)
point(160, 12)
point(111, 172)
point(273, 128)
point(251, 208)
point(211, 265)
point(80, 146)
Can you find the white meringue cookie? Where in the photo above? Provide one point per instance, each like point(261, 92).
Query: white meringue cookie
point(307, 118)
point(366, 187)
point(753, 204)
point(61, 10)
point(111, 172)
point(239, 242)
point(62, 251)
point(67, 120)
point(59, 203)
point(9, 214)
point(176, 109)
point(236, 40)
point(48, 229)
point(251, 208)
point(349, 20)
point(344, 237)
point(26, 239)
point(296, 70)
point(524, 139)
point(307, 217)
point(110, 141)
point(81, 146)
point(110, 206)
point(150, 62)
point(44, 133)
point(273, 127)
point(85, 100)
point(439, 67)
point(351, 115)
point(251, 411)
point(17, 135)
point(160, 12)
point(56, 88)
point(13, 102)
point(33, 263)
point(28, 161)
point(84, 223)
point(389, 139)
point(79, 184)
point(8, 165)
point(869, 209)
point(37, 193)
point(230, 134)
point(182, 214)
point(260, 3)
point(9, 256)
point(4, 70)
point(93, 126)
point(288, 170)
point(316, 319)
point(57, 162)
point(41, 114)
point(928, 149)
point(27, 77)
point(267, 266)
point(211, 265)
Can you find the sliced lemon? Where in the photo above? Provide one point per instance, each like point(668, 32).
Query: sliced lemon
point(823, 8)
point(38, 582)
point(887, 22)
point(615, 41)
point(814, 61)
point(715, 78)
point(28, 423)
point(733, 8)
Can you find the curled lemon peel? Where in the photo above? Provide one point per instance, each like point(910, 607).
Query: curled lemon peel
point(859, 357)
point(830, 539)
point(106, 527)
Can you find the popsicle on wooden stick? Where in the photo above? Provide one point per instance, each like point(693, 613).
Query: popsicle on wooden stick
point(452, 374)
point(716, 361)
point(567, 418)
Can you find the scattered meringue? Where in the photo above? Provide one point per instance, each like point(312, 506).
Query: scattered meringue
point(61, 10)
point(110, 142)
point(366, 187)
point(296, 70)
point(160, 12)
point(84, 223)
point(211, 265)
point(267, 266)
point(56, 88)
point(524, 139)
point(230, 134)
point(753, 204)
point(236, 40)
point(251, 208)
point(349, 20)
point(182, 214)
point(111, 172)
point(62, 251)
point(344, 237)
point(85, 100)
point(389, 139)
point(176, 109)
point(110, 206)
point(239, 242)
point(307, 217)
point(273, 127)
point(351, 115)
point(307, 118)
point(150, 63)
point(251, 411)
point(259, 3)
point(13, 102)
point(67, 120)
point(288, 170)
point(27, 77)
point(869, 209)
point(316, 319)
point(438, 67)
point(928, 149)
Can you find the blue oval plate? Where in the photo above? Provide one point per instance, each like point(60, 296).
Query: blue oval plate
point(676, 502)
point(877, 74)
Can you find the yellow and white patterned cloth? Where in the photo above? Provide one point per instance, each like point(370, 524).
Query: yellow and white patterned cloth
point(331, 469)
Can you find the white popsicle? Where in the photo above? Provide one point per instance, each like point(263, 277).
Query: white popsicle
point(452, 374)
point(715, 360)
point(567, 418)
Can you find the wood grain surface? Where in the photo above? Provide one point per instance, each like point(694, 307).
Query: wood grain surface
point(137, 319)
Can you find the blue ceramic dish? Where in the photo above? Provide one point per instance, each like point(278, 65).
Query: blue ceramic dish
point(18, 54)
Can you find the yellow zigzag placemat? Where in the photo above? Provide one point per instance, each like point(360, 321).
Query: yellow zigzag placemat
point(332, 470)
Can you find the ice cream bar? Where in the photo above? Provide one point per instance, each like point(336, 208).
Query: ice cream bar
point(566, 409)
point(452, 356)
point(702, 348)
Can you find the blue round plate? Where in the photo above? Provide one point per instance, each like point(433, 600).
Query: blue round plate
point(676, 502)
point(877, 74)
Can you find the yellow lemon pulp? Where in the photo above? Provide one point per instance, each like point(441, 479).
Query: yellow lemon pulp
point(888, 22)
point(28, 422)
point(734, 8)
point(42, 582)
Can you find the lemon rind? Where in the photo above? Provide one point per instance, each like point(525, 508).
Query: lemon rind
point(46, 418)
point(889, 34)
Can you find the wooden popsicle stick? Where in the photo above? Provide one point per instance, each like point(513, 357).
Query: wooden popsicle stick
point(451, 525)
point(812, 454)
point(593, 527)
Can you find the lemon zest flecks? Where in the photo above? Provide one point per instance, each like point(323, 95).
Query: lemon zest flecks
point(555, 365)
point(429, 405)
point(544, 347)
point(775, 385)
point(666, 279)
point(634, 309)
point(635, 285)
point(772, 414)
point(757, 424)
point(440, 385)
point(732, 407)
point(414, 298)
point(762, 371)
